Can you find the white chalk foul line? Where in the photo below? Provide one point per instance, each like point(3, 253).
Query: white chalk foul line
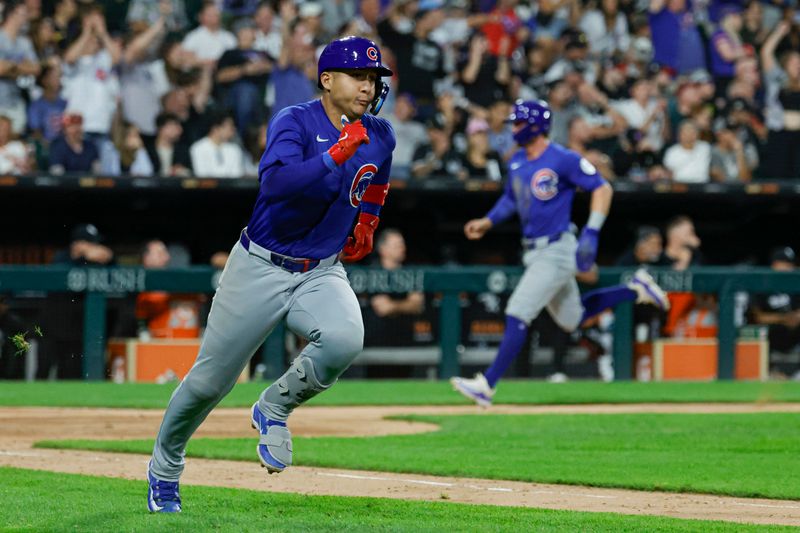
point(767, 505)
point(413, 481)
point(20, 454)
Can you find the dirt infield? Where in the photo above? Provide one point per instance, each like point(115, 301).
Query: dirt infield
point(21, 427)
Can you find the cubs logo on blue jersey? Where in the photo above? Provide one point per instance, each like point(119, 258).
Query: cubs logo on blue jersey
point(361, 181)
point(544, 184)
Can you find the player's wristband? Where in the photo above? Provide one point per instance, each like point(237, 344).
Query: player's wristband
point(328, 160)
point(596, 220)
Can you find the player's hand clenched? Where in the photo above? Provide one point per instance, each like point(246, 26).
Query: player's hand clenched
point(360, 244)
point(353, 135)
point(477, 228)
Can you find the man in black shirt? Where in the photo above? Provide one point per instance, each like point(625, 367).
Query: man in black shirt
point(683, 245)
point(420, 60)
point(780, 311)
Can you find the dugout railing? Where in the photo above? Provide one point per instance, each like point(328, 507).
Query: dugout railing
point(449, 282)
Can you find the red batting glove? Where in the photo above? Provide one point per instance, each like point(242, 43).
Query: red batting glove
point(360, 244)
point(353, 135)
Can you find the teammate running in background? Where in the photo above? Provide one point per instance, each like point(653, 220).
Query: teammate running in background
point(543, 178)
point(326, 162)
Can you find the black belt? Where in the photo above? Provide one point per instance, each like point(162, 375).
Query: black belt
point(290, 264)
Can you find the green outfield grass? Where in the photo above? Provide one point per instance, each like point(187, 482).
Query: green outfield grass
point(734, 454)
point(44, 501)
point(83, 394)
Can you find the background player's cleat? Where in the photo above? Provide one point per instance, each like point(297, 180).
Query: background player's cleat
point(476, 389)
point(648, 291)
point(275, 445)
point(162, 496)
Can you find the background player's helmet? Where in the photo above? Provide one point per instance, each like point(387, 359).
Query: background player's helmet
point(355, 53)
point(535, 114)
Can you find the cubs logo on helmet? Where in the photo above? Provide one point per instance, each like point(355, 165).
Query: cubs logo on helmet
point(544, 184)
point(372, 53)
point(361, 181)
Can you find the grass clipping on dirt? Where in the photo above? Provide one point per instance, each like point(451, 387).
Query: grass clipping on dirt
point(45, 501)
point(751, 455)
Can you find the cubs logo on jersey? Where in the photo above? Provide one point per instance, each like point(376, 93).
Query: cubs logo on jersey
point(360, 183)
point(544, 184)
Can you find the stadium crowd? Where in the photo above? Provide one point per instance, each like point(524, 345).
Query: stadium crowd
point(690, 91)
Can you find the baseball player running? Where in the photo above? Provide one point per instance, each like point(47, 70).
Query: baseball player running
point(543, 178)
point(326, 162)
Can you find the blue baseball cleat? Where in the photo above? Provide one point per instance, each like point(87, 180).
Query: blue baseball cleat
point(476, 389)
point(275, 445)
point(162, 496)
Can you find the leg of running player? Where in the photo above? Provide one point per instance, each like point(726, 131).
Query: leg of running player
point(250, 300)
point(325, 311)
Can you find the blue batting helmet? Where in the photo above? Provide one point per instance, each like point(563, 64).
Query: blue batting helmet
point(355, 53)
point(535, 114)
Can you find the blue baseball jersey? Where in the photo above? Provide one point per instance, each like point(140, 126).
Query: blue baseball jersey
point(541, 190)
point(306, 206)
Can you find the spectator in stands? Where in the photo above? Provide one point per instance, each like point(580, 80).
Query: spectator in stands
point(143, 76)
point(242, 74)
point(730, 160)
point(45, 113)
point(209, 40)
point(161, 314)
point(780, 311)
point(539, 56)
point(72, 151)
point(676, 37)
point(17, 60)
point(680, 107)
point(726, 46)
point(268, 30)
point(190, 111)
point(485, 76)
point(439, 158)
point(574, 61)
point(310, 13)
point(646, 250)
point(480, 161)
point(688, 160)
point(215, 155)
point(410, 135)
point(550, 18)
point(753, 32)
point(420, 60)
point(366, 22)
point(294, 78)
point(645, 113)
point(128, 155)
point(14, 157)
point(66, 24)
point(606, 29)
point(782, 81)
point(90, 84)
point(501, 138)
point(167, 154)
point(683, 245)
point(145, 13)
point(45, 40)
point(255, 144)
